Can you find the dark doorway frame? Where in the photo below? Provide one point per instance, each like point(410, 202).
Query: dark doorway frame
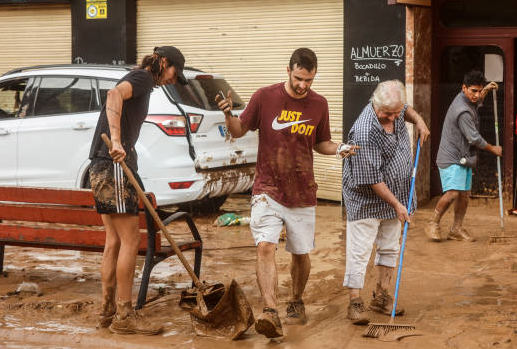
point(504, 38)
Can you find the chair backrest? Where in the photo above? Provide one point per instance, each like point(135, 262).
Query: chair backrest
point(54, 205)
point(51, 205)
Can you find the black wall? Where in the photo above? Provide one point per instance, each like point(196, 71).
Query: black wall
point(375, 50)
point(104, 41)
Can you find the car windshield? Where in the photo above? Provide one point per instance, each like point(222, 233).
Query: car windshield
point(201, 91)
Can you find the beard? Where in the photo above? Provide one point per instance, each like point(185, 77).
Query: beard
point(297, 90)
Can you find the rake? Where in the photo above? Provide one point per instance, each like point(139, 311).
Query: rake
point(380, 330)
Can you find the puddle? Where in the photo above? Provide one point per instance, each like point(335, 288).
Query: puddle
point(53, 326)
point(15, 345)
point(57, 256)
point(45, 326)
point(69, 270)
point(165, 269)
point(65, 261)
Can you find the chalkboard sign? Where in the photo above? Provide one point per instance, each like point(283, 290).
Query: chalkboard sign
point(375, 51)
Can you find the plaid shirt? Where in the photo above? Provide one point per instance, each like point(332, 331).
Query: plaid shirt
point(382, 157)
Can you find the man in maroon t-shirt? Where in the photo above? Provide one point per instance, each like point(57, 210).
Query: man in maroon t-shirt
point(292, 121)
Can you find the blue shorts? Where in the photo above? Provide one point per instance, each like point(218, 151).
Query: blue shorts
point(456, 177)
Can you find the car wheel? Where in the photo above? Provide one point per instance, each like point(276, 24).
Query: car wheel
point(205, 205)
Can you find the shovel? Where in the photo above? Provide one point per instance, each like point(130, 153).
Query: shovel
point(216, 310)
point(494, 72)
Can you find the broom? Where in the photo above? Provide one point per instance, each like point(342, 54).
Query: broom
point(376, 330)
point(502, 239)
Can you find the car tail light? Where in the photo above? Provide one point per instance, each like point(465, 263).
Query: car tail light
point(203, 77)
point(181, 185)
point(174, 125)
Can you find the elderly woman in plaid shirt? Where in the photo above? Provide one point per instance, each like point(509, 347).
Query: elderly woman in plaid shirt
point(376, 184)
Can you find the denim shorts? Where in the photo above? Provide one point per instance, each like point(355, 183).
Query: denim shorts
point(456, 177)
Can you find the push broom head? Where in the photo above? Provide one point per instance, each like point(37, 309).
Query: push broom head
point(501, 240)
point(381, 330)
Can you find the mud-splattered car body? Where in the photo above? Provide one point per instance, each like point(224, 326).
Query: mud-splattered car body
point(185, 152)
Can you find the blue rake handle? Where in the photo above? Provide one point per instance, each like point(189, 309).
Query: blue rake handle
point(406, 225)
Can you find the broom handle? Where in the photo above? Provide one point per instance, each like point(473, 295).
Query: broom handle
point(157, 219)
point(404, 235)
point(494, 95)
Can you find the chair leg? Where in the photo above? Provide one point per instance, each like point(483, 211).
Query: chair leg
point(2, 248)
point(149, 261)
point(144, 283)
point(197, 262)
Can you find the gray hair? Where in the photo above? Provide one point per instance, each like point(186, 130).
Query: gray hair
point(389, 94)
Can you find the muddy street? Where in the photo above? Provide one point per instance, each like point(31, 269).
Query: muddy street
point(459, 294)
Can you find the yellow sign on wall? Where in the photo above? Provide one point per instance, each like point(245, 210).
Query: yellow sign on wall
point(96, 9)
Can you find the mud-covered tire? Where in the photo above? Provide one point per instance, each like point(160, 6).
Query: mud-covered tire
point(205, 205)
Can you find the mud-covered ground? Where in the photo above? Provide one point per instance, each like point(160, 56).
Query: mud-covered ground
point(461, 295)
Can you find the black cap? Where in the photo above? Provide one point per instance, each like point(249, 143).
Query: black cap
point(175, 57)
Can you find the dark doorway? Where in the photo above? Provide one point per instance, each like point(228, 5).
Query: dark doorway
point(464, 31)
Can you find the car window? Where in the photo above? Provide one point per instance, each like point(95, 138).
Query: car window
point(104, 87)
point(201, 91)
point(64, 95)
point(11, 95)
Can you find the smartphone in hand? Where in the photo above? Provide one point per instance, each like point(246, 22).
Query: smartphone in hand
point(221, 94)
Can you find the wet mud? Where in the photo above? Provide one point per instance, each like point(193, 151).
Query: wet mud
point(459, 294)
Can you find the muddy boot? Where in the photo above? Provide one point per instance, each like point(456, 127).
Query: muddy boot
point(128, 321)
point(460, 234)
point(383, 303)
point(296, 313)
point(268, 323)
point(357, 312)
point(108, 309)
point(432, 230)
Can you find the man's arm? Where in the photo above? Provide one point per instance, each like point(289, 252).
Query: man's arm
point(382, 190)
point(413, 117)
point(490, 86)
point(235, 126)
point(470, 132)
point(114, 101)
point(497, 150)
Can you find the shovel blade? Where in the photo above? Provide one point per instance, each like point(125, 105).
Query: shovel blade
point(226, 312)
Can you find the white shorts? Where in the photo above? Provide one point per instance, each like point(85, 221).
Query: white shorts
point(360, 237)
point(268, 218)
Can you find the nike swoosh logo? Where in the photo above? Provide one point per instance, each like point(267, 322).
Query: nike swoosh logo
point(277, 126)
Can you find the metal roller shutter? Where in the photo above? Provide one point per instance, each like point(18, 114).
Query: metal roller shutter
point(250, 43)
point(34, 35)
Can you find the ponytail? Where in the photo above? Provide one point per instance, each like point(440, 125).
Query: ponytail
point(155, 68)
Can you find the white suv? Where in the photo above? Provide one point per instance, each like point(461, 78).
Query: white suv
point(48, 116)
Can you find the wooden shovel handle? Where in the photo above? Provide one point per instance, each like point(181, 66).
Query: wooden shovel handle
point(156, 218)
